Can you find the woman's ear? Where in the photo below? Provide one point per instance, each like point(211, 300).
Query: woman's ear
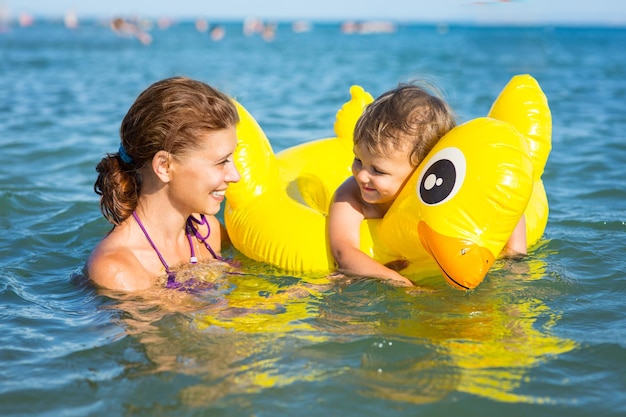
point(161, 165)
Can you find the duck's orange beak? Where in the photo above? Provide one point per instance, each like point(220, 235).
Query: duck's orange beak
point(463, 263)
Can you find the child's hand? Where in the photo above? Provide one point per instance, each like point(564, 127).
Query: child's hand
point(337, 276)
point(400, 281)
point(397, 280)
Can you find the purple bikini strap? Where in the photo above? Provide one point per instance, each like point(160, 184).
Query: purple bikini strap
point(192, 229)
point(145, 232)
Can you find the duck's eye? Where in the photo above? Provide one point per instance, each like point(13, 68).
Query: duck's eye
point(442, 176)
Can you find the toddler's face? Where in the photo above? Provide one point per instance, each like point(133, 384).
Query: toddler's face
point(380, 177)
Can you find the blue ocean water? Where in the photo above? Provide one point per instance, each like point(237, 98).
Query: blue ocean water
point(543, 336)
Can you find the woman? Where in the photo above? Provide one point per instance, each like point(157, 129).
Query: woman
point(174, 161)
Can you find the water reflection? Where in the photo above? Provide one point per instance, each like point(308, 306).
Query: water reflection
point(263, 331)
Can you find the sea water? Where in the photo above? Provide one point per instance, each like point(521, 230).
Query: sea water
point(542, 336)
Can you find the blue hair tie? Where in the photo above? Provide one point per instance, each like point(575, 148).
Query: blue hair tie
point(124, 156)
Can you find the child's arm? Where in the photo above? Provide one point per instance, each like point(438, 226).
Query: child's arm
point(344, 226)
point(517, 242)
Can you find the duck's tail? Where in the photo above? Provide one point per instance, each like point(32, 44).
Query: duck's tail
point(350, 112)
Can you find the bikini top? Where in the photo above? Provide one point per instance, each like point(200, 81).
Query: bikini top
point(191, 230)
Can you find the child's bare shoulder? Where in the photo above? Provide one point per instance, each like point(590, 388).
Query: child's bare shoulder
point(348, 191)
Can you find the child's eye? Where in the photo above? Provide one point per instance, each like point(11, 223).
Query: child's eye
point(224, 162)
point(357, 161)
point(378, 171)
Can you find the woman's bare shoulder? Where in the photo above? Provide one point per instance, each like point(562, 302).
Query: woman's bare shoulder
point(116, 267)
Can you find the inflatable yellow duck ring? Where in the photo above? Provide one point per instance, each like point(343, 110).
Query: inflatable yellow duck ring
point(454, 215)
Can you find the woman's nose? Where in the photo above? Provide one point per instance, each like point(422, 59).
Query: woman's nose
point(233, 174)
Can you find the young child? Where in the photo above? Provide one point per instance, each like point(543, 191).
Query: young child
point(175, 160)
point(391, 138)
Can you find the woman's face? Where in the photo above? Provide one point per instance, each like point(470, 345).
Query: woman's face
point(200, 178)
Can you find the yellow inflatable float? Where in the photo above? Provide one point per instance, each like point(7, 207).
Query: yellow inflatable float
point(454, 215)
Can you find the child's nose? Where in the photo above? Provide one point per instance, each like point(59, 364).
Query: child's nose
point(362, 176)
